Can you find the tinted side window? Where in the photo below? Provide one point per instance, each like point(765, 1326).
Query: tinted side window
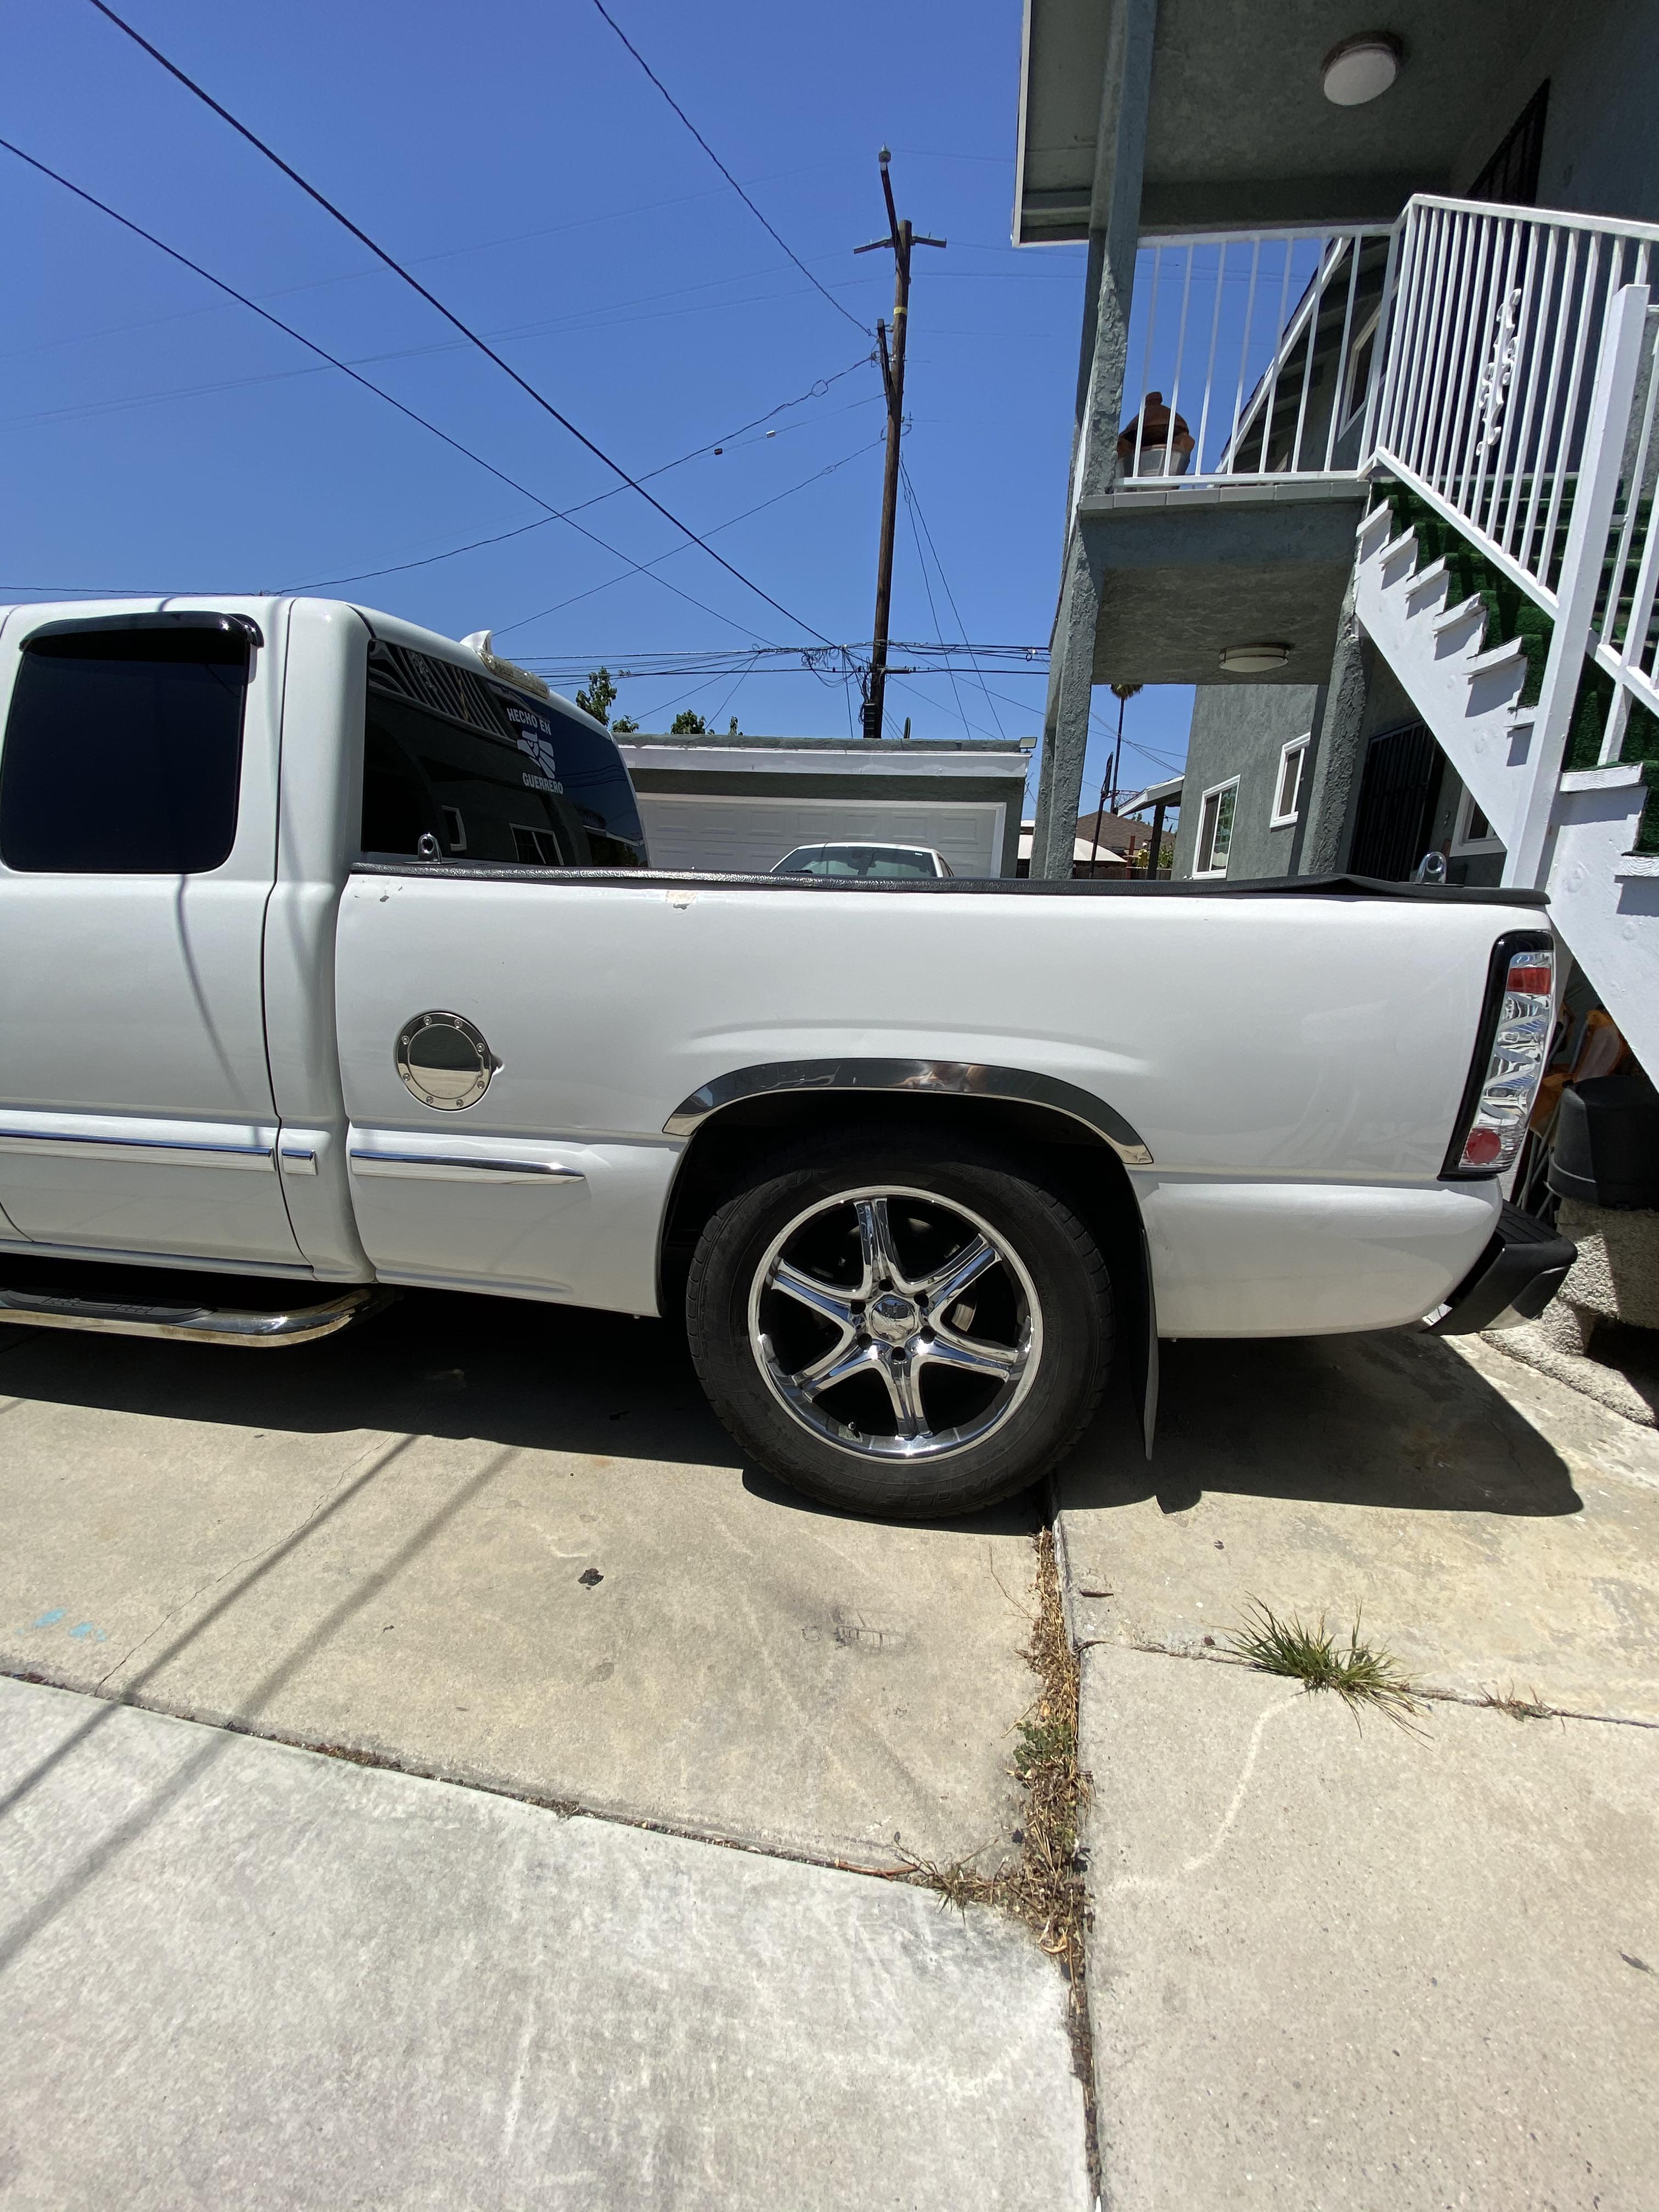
point(123, 752)
point(596, 787)
point(488, 771)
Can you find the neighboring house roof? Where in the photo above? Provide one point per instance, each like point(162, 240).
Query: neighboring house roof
point(718, 754)
point(1082, 851)
point(1116, 836)
point(1168, 793)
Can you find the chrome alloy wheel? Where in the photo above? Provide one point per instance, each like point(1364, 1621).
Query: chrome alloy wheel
point(896, 1324)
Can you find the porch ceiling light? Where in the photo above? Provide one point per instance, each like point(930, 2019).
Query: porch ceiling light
point(1361, 68)
point(1253, 660)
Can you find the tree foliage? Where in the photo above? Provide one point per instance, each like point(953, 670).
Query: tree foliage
point(600, 696)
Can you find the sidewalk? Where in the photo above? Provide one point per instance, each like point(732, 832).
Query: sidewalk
point(1333, 1964)
point(236, 1975)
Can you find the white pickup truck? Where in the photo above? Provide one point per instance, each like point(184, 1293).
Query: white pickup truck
point(331, 954)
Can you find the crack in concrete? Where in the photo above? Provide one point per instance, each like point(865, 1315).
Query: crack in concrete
point(563, 1808)
point(1482, 1703)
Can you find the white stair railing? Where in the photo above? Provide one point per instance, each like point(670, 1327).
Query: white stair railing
point(1495, 407)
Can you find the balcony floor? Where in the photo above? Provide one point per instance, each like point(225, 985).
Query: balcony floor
point(1192, 568)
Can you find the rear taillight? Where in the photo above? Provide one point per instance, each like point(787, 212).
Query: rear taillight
point(1516, 1019)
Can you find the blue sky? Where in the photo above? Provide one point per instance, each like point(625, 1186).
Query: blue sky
point(158, 437)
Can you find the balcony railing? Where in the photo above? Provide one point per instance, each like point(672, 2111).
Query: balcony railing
point(1257, 352)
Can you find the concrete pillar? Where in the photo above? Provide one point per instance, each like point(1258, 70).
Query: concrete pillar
point(1338, 752)
point(1113, 235)
point(1066, 718)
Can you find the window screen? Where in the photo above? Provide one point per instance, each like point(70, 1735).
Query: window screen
point(123, 750)
point(488, 771)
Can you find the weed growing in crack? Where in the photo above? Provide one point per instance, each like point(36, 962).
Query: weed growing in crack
point(1519, 1707)
point(1312, 1657)
point(1044, 1885)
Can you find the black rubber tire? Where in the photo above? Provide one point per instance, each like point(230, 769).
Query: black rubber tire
point(1066, 1266)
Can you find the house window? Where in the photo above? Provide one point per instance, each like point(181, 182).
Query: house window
point(1356, 388)
point(1215, 830)
point(1287, 793)
point(1473, 832)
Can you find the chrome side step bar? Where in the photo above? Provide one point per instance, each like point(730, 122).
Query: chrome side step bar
point(196, 1324)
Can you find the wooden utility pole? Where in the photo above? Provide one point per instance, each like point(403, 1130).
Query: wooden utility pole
point(899, 239)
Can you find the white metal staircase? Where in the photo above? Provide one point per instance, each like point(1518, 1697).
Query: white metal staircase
point(1604, 899)
point(1518, 419)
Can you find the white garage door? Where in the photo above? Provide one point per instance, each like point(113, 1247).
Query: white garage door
point(750, 837)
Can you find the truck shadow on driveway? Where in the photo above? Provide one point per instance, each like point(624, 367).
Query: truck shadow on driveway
point(1394, 1419)
point(493, 1370)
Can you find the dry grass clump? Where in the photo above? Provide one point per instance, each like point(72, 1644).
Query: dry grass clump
point(1518, 1707)
point(1360, 1676)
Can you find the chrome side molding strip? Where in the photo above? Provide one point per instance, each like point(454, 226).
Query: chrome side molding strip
point(297, 1159)
point(925, 1078)
point(195, 1151)
point(196, 1324)
point(433, 1167)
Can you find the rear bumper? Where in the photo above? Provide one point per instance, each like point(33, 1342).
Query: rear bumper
point(1513, 1280)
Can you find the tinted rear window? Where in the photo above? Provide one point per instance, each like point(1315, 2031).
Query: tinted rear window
point(488, 771)
point(123, 752)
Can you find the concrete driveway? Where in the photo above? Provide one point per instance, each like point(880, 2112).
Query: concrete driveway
point(508, 1545)
point(1334, 1962)
point(505, 1546)
point(1331, 1963)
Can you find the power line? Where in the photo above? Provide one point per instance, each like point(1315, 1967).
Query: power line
point(448, 315)
point(720, 166)
point(473, 246)
point(116, 402)
point(709, 445)
point(717, 660)
point(917, 516)
point(927, 585)
point(828, 470)
point(345, 368)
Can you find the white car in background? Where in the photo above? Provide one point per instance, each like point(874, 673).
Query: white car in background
point(877, 860)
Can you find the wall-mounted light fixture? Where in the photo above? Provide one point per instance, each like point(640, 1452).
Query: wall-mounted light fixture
point(1361, 68)
point(1253, 660)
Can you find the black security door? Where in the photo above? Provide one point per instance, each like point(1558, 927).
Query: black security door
point(1398, 796)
